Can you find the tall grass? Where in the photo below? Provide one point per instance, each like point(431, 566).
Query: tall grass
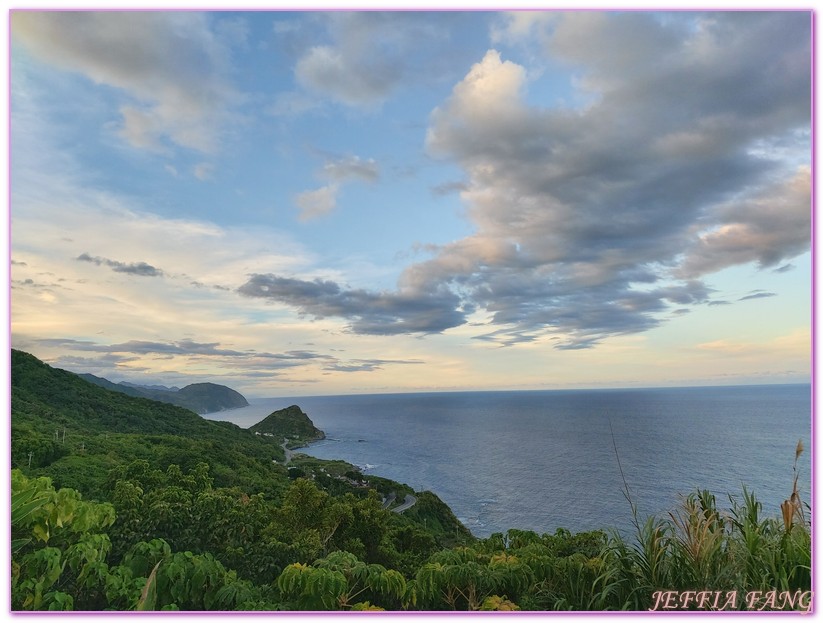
point(699, 547)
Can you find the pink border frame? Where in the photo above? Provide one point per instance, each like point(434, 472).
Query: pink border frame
point(289, 614)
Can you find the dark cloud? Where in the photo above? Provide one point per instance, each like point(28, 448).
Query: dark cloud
point(246, 363)
point(685, 151)
point(592, 221)
point(89, 364)
point(198, 284)
point(367, 365)
point(768, 228)
point(16, 263)
point(183, 347)
point(141, 269)
point(381, 313)
point(757, 295)
point(72, 344)
point(31, 283)
point(449, 188)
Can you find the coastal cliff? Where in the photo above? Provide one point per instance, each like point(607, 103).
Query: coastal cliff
point(290, 423)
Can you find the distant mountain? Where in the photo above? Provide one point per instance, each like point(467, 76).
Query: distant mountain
point(198, 397)
point(208, 398)
point(75, 431)
point(290, 422)
point(49, 398)
point(162, 388)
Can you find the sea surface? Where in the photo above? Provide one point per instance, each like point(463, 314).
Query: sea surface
point(542, 460)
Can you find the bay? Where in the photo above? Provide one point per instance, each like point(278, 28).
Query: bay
point(542, 460)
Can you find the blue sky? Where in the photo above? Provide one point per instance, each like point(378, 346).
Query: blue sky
point(296, 203)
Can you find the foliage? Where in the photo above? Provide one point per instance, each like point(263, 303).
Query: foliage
point(197, 515)
point(290, 422)
point(336, 581)
point(59, 545)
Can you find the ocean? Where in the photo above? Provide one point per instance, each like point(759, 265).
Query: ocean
point(543, 460)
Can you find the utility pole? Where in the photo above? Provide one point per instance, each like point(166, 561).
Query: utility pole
point(64, 434)
point(30, 455)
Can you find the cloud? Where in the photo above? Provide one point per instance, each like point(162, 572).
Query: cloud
point(448, 188)
point(587, 218)
point(141, 269)
point(372, 54)
point(184, 348)
point(516, 26)
point(757, 295)
point(767, 228)
point(376, 313)
point(170, 68)
point(316, 203)
point(351, 168)
point(368, 365)
point(122, 361)
point(321, 201)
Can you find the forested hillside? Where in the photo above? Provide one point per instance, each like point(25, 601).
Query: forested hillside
point(291, 423)
point(198, 397)
point(124, 503)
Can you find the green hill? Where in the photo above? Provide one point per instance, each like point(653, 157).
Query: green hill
point(85, 437)
point(291, 423)
point(75, 431)
point(198, 397)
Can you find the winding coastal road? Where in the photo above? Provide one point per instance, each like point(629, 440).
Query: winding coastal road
point(288, 452)
point(408, 501)
point(406, 505)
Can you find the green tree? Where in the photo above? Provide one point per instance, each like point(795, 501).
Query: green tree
point(59, 546)
point(341, 581)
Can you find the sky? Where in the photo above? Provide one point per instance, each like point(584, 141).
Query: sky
point(333, 202)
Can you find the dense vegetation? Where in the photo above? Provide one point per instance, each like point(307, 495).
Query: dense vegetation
point(197, 397)
point(145, 506)
point(289, 423)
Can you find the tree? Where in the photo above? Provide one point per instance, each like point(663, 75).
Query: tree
point(59, 546)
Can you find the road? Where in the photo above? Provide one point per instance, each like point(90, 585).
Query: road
point(408, 502)
point(406, 505)
point(288, 452)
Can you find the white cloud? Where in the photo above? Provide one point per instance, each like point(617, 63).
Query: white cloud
point(316, 203)
point(517, 27)
point(351, 168)
point(171, 69)
point(322, 201)
point(581, 214)
point(372, 54)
